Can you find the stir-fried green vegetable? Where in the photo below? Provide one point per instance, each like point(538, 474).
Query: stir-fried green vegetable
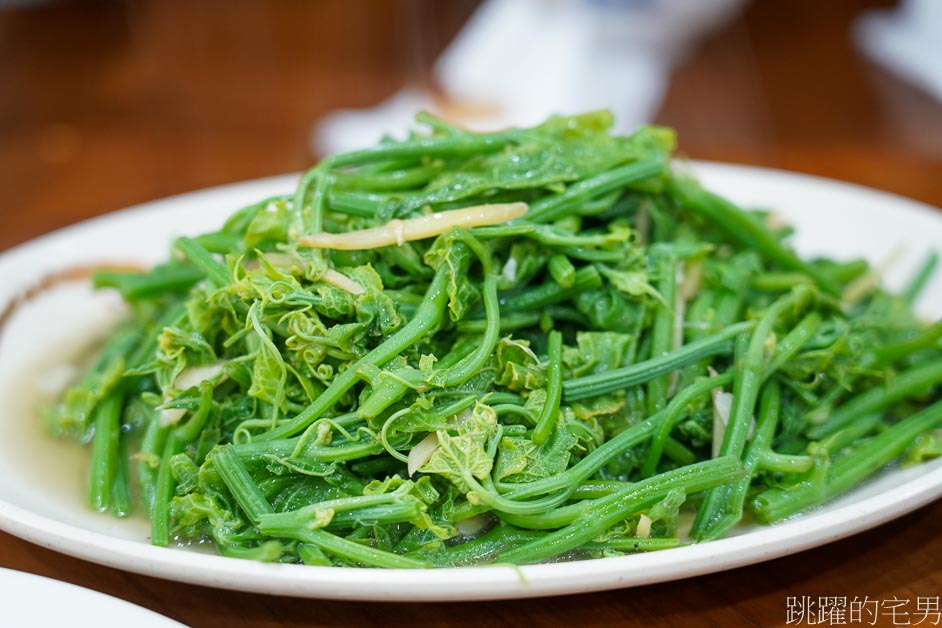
point(530, 345)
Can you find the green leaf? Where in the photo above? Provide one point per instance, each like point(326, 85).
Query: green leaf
point(596, 352)
point(269, 373)
point(608, 309)
point(599, 407)
point(518, 368)
point(334, 303)
point(525, 260)
point(464, 455)
point(519, 459)
point(458, 457)
point(269, 226)
point(633, 283)
point(559, 151)
point(374, 308)
point(179, 348)
point(926, 447)
point(457, 258)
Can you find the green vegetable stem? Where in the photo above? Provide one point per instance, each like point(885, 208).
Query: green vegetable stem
point(460, 348)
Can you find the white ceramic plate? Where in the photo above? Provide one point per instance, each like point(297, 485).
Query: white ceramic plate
point(42, 483)
point(26, 602)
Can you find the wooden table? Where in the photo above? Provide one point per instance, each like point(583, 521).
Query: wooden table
point(103, 105)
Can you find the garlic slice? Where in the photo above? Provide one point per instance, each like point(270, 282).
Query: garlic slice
point(421, 453)
point(644, 527)
point(722, 406)
point(189, 377)
point(400, 231)
point(196, 375)
point(471, 526)
point(171, 416)
point(339, 280)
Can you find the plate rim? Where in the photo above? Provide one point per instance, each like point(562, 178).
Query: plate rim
point(103, 601)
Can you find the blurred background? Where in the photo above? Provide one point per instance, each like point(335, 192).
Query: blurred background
point(104, 104)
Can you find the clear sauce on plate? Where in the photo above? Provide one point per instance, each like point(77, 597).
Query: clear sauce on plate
point(60, 331)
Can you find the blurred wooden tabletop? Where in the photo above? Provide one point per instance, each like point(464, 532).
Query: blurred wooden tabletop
point(111, 103)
